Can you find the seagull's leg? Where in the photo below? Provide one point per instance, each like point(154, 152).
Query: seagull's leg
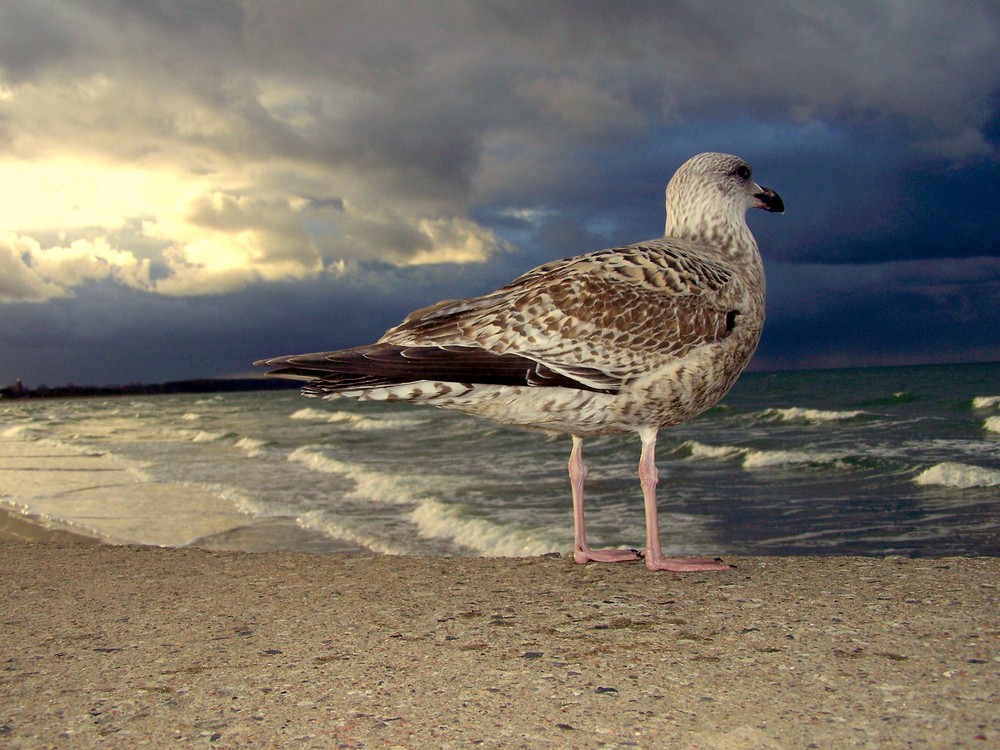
point(654, 556)
point(581, 550)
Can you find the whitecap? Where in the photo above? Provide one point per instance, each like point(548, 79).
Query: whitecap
point(251, 446)
point(962, 476)
point(760, 459)
point(365, 423)
point(308, 413)
point(992, 424)
point(437, 520)
point(207, 437)
point(359, 421)
point(368, 484)
point(985, 402)
point(18, 432)
point(798, 414)
point(700, 450)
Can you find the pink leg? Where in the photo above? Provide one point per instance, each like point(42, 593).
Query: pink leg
point(582, 552)
point(654, 556)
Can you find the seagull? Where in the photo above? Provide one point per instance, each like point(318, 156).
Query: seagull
point(629, 339)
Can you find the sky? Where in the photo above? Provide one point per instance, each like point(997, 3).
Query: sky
point(188, 186)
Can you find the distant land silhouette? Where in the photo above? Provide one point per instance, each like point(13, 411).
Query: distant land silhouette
point(202, 385)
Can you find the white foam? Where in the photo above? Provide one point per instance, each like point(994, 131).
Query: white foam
point(364, 423)
point(797, 414)
point(379, 486)
point(700, 450)
point(985, 402)
point(251, 446)
point(316, 520)
point(191, 416)
point(963, 476)
point(308, 413)
point(437, 520)
point(992, 424)
point(18, 432)
point(760, 459)
point(359, 421)
point(755, 458)
point(207, 437)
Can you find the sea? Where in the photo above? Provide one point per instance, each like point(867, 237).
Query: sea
point(874, 461)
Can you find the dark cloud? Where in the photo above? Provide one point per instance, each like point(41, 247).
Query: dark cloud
point(319, 168)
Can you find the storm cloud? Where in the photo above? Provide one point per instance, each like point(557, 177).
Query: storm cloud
point(208, 183)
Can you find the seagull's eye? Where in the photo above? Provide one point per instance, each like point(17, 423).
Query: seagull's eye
point(743, 172)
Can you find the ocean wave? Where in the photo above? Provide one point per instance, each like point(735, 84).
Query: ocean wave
point(992, 424)
point(762, 459)
point(985, 402)
point(190, 416)
point(962, 476)
point(437, 520)
point(20, 432)
point(251, 446)
point(756, 458)
point(246, 502)
point(359, 421)
point(317, 520)
point(203, 436)
point(310, 414)
point(380, 486)
point(700, 450)
point(798, 414)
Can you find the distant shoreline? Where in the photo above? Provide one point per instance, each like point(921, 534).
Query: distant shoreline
point(201, 385)
point(224, 385)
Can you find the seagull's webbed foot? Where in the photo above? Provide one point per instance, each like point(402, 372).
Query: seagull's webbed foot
point(654, 557)
point(605, 555)
point(683, 564)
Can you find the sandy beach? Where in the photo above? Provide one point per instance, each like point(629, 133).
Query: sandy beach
point(108, 646)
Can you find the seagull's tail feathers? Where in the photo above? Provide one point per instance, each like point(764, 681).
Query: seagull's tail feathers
point(382, 365)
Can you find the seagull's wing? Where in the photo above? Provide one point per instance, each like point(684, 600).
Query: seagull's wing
point(593, 322)
point(600, 319)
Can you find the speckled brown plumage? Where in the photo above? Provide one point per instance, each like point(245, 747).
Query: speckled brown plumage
point(635, 338)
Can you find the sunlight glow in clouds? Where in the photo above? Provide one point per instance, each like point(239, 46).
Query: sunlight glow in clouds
point(187, 173)
point(189, 236)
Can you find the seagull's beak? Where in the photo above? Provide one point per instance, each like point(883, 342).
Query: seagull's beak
point(769, 201)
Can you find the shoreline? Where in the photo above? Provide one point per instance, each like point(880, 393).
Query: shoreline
point(15, 526)
point(55, 481)
point(144, 646)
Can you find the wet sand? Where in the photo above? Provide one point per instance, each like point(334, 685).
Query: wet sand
point(107, 646)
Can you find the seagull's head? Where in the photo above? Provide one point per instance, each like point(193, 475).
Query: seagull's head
point(711, 193)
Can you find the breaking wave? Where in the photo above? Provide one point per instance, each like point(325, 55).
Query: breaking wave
point(755, 458)
point(962, 476)
point(19, 432)
point(358, 421)
point(443, 521)
point(379, 486)
point(251, 446)
point(985, 402)
point(798, 414)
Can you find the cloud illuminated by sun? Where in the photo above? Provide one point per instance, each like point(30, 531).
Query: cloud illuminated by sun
point(172, 231)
